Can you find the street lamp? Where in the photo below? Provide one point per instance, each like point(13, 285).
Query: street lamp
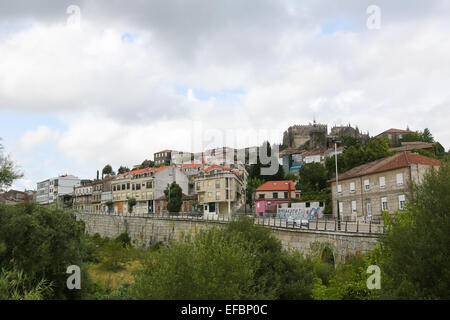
point(337, 183)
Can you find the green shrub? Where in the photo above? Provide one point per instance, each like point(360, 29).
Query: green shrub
point(124, 239)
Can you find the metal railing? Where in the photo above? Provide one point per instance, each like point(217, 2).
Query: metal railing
point(318, 224)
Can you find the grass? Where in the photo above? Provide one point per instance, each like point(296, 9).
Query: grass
point(113, 279)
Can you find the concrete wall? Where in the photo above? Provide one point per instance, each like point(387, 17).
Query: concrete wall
point(145, 231)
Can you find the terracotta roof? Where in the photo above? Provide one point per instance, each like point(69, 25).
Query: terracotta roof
point(399, 160)
point(408, 146)
point(289, 151)
point(392, 130)
point(164, 151)
point(282, 185)
point(145, 170)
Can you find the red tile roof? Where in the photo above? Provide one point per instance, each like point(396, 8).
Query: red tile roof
point(399, 160)
point(408, 146)
point(145, 170)
point(164, 151)
point(282, 185)
point(392, 130)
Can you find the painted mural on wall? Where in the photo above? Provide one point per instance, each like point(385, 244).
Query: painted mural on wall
point(313, 211)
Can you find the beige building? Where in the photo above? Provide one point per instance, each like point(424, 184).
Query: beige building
point(220, 189)
point(145, 185)
point(82, 198)
point(366, 191)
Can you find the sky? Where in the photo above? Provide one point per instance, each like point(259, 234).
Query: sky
point(89, 83)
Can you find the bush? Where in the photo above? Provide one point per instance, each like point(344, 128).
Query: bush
point(415, 254)
point(113, 256)
point(42, 243)
point(211, 267)
point(124, 239)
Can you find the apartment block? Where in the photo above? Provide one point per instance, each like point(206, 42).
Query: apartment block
point(220, 189)
point(145, 185)
point(52, 190)
point(366, 191)
point(83, 198)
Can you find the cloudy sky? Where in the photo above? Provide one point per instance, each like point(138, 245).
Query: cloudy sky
point(116, 81)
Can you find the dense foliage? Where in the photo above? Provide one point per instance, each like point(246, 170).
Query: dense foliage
point(357, 153)
point(123, 169)
point(415, 250)
point(174, 194)
point(8, 171)
point(42, 243)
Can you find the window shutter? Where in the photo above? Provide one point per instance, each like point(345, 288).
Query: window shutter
point(399, 178)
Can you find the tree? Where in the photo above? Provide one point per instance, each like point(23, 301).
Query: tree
point(110, 206)
point(174, 194)
point(131, 204)
point(252, 185)
point(147, 164)
point(291, 176)
point(313, 178)
point(123, 169)
point(108, 171)
point(356, 155)
point(42, 242)
point(214, 266)
point(8, 171)
point(426, 136)
point(415, 249)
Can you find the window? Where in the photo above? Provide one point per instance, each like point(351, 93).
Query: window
point(367, 184)
point(275, 195)
point(217, 195)
point(149, 184)
point(123, 187)
point(128, 186)
point(339, 188)
point(382, 182)
point(217, 183)
point(286, 195)
point(261, 196)
point(341, 207)
point(384, 204)
point(353, 206)
point(307, 204)
point(138, 186)
point(118, 187)
point(352, 187)
point(133, 187)
point(369, 207)
point(198, 185)
point(401, 201)
point(399, 179)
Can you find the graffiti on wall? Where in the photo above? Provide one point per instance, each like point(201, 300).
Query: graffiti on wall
point(307, 213)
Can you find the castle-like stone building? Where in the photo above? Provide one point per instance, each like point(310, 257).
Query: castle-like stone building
point(315, 136)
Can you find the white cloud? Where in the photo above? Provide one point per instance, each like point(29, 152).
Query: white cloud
point(118, 98)
point(32, 139)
